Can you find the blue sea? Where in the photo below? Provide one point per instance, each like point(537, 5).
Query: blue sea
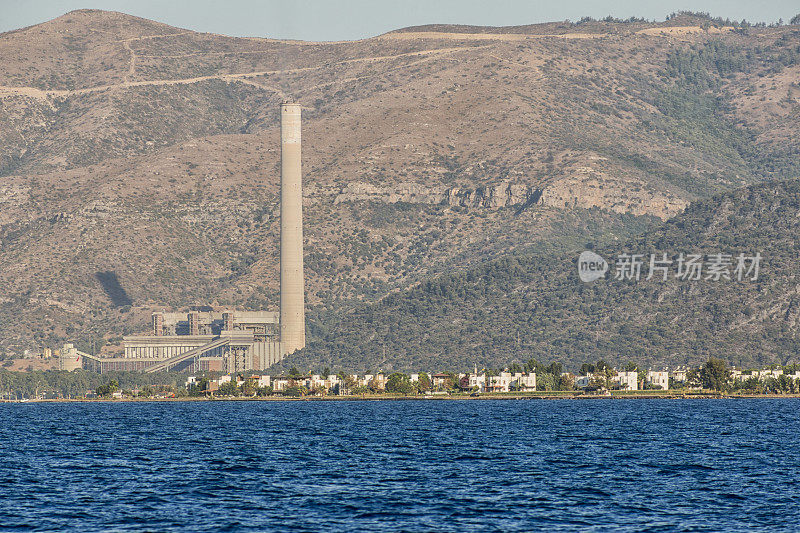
point(557, 465)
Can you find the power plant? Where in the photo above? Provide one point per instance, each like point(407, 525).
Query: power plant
point(231, 341)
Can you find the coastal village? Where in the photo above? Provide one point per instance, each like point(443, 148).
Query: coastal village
point(473, 382)
point(590, 379)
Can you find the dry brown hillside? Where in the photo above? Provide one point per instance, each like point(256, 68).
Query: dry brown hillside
point(138, 162)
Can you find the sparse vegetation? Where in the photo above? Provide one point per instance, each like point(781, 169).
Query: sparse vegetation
point(174, 189)
point(533, 305)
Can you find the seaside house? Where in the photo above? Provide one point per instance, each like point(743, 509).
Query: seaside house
point(280, 383)
point(582, 382)
point(474, 381)
point(258, 381)
point(314, 381)
point(658, 379)
point(332, 382)
point(628, 380)
point(679, 375)
point(379, 382)
point(439, 379)
point(525, 382)
point(500, 382)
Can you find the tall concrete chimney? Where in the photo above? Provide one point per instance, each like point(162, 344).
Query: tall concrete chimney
point(293, 315)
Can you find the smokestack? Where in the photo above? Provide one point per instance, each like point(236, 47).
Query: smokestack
point(293, 316)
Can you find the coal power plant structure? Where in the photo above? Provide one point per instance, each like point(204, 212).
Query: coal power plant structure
point(231, 340)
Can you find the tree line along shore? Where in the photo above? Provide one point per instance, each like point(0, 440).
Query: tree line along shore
point(595, 380)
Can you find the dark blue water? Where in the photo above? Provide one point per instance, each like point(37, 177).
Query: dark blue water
point(638, 465)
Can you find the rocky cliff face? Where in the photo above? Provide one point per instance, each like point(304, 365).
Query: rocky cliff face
point(582, 191)
point(504, 194)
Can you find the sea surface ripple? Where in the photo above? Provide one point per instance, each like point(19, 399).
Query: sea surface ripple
point(627, 465)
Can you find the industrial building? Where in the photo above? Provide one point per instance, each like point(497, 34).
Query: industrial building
point(231, 340)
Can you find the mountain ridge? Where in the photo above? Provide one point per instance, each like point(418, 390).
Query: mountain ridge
point(422, 155)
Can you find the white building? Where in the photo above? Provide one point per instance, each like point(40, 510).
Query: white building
point(679, 375)
point(628, 380)
point(500, 383)
point(262, 381)
point(658, 379)
point(525, 382)
point(582, 382)
point(503, 382)
point(476, 381)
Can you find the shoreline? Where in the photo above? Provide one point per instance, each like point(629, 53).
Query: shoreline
point(442, 397)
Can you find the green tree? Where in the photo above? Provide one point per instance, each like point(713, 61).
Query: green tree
point(399, 383)
point(347, 383)
point(450, 382)
point(752, 384)
point(229, 388)
point(424, 383)
point(546, 382)
point(248, 388)
point(532, 365)
point(295, 391)
point(607, 372)
point(360, 389)
point(715, 375)
point(795, 20)
point(104, 390)
point(783, 383)
point(565, 382)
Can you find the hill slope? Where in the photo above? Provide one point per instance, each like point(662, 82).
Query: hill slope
point(519, 307)
point(147, 154)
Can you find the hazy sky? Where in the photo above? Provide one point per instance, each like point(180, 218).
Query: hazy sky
point(353, 19)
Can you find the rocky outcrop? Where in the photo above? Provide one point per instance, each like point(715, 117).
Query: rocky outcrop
point(580, 190)
point(618, 195)
point(504, 194)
